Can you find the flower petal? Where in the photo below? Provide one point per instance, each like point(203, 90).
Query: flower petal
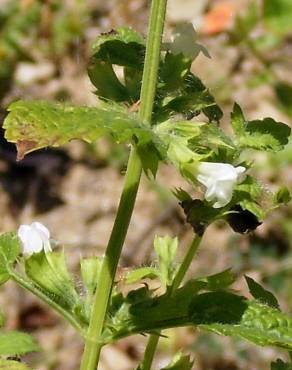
point(42, 228)
point(30, 240)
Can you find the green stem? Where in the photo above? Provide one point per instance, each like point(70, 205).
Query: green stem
point(34, 290)
point(152, 58)
point(183, 268)
point(149, 352)
point(110, 262)
point(112, 255)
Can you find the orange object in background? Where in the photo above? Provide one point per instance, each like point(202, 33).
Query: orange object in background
point(219, 18)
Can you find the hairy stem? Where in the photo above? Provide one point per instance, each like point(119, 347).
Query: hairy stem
point(183, 268)
point(113, 251)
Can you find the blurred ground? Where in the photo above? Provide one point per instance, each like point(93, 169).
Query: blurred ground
point(74, 190)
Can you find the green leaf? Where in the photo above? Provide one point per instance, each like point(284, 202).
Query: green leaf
point(280, 365)
point(283, 92)
point(15, 343)
point(12, 365)
point(149, 156)
point(234, 316)
point(181, 195)
point(49, 272)
point(124, 47)
point(248, 195)
point(251, 186)
point(178, 92)
point(277, 15)
point(142, 273)
point(221, 312)
point(260, 293)
point(218, 281)
point(181, 92)
point(165, 248)
point(266, 134)
point(90, 269)
point(180, 362)
point(108, 86)
point(173, 71)
point(192, 99)
point(282, 196)
point(237, 120)
point(36, 124)
point(9, 250)
point(213, 141)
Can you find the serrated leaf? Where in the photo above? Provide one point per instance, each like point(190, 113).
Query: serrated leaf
point(123, 47)
point(49, 272)
point(248, 195)
point(12, 365)
point(15, 343)
point(251, 186)
point(221, 312)
point(281, 365)
point(124, 35)
point(142, 273)
point(250, 320)
point(180, 362)
point(213, 137)
point(174, 69)
point(105, 80)
point(165, 248)
point(37, 124)
point(266, 134)
point(181, 92)
point(260, 293)
point(219, 281)
point(9, 250)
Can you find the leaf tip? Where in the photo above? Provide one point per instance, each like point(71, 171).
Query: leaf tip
point(23, 147)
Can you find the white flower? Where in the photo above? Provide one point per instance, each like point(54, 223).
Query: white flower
point(219, 180)
point(34, 238)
